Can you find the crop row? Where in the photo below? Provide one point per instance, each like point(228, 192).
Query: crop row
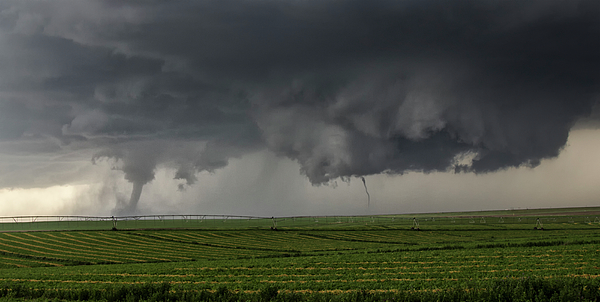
point(54, 248)
point(79, 247)
point(428, 237)
point(381, 271)
point(332, 240)
point(262, 240)
point(513, 289)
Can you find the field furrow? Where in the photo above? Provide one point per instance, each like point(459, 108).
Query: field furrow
point(301, 261)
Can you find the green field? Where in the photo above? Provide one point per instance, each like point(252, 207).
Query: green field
point(376, 258)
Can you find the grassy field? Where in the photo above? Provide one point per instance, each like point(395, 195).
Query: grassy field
point(461, 258)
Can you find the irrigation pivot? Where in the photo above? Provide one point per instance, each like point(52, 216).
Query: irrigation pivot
point(415, 226)
point(538, 225)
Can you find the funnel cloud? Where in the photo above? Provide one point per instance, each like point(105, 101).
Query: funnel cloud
point(133, 201)
point(366, 191)
point(138, 164)
point(344, 88)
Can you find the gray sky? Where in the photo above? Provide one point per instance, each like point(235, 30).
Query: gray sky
point(279, 107)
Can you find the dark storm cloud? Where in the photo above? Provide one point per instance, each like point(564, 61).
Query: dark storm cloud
point(346, 88)
point(436, 81)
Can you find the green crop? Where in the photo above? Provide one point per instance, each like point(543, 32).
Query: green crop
point(362, 263)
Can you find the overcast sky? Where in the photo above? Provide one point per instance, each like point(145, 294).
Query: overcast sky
point(279, 107)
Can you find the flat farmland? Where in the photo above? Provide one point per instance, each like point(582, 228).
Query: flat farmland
point(382, 271)
point(374, 261)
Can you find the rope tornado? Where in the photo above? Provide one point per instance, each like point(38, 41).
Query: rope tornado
point(366, 191)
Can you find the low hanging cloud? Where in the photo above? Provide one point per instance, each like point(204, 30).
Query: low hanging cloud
point(345, 88)
point(421, 122)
